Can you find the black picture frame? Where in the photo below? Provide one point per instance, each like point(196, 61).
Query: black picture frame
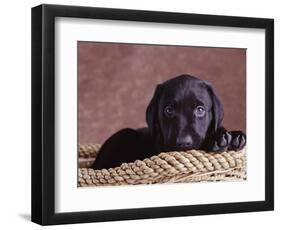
point(43, 114)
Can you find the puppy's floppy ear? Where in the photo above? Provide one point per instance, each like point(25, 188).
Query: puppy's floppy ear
point(152, 111)
point(217, 108)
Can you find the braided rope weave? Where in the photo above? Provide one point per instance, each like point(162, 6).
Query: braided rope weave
point(166, 167)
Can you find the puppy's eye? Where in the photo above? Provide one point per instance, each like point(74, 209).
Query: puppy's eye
point(169, 110)
point(199, 111)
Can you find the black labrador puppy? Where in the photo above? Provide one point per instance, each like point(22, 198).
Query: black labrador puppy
point(184, 113)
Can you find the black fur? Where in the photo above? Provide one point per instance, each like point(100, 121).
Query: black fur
point(184, 113)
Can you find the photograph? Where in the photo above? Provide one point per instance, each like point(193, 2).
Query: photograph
point(140, 114)
point(150, 114)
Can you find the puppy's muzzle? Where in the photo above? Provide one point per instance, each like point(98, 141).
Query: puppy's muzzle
point(184, 143)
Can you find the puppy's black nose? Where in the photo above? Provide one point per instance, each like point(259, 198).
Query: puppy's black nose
point(185, 142)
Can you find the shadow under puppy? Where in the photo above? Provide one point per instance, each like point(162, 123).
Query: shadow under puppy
point(184, 113)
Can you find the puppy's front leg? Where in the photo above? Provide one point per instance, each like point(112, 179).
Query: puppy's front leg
point(218, 141)
point(223, 140)
point(238, 140)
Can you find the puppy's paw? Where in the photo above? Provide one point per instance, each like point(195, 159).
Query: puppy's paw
point(238, 140)
point(222, 140)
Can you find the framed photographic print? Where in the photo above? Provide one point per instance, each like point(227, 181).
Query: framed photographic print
point(142, 114)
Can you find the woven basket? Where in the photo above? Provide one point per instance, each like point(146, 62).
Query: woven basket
point(166, 167)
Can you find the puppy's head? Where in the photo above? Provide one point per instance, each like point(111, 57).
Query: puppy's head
point(183, 112)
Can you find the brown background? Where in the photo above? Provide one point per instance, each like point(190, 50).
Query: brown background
point(117, 81)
